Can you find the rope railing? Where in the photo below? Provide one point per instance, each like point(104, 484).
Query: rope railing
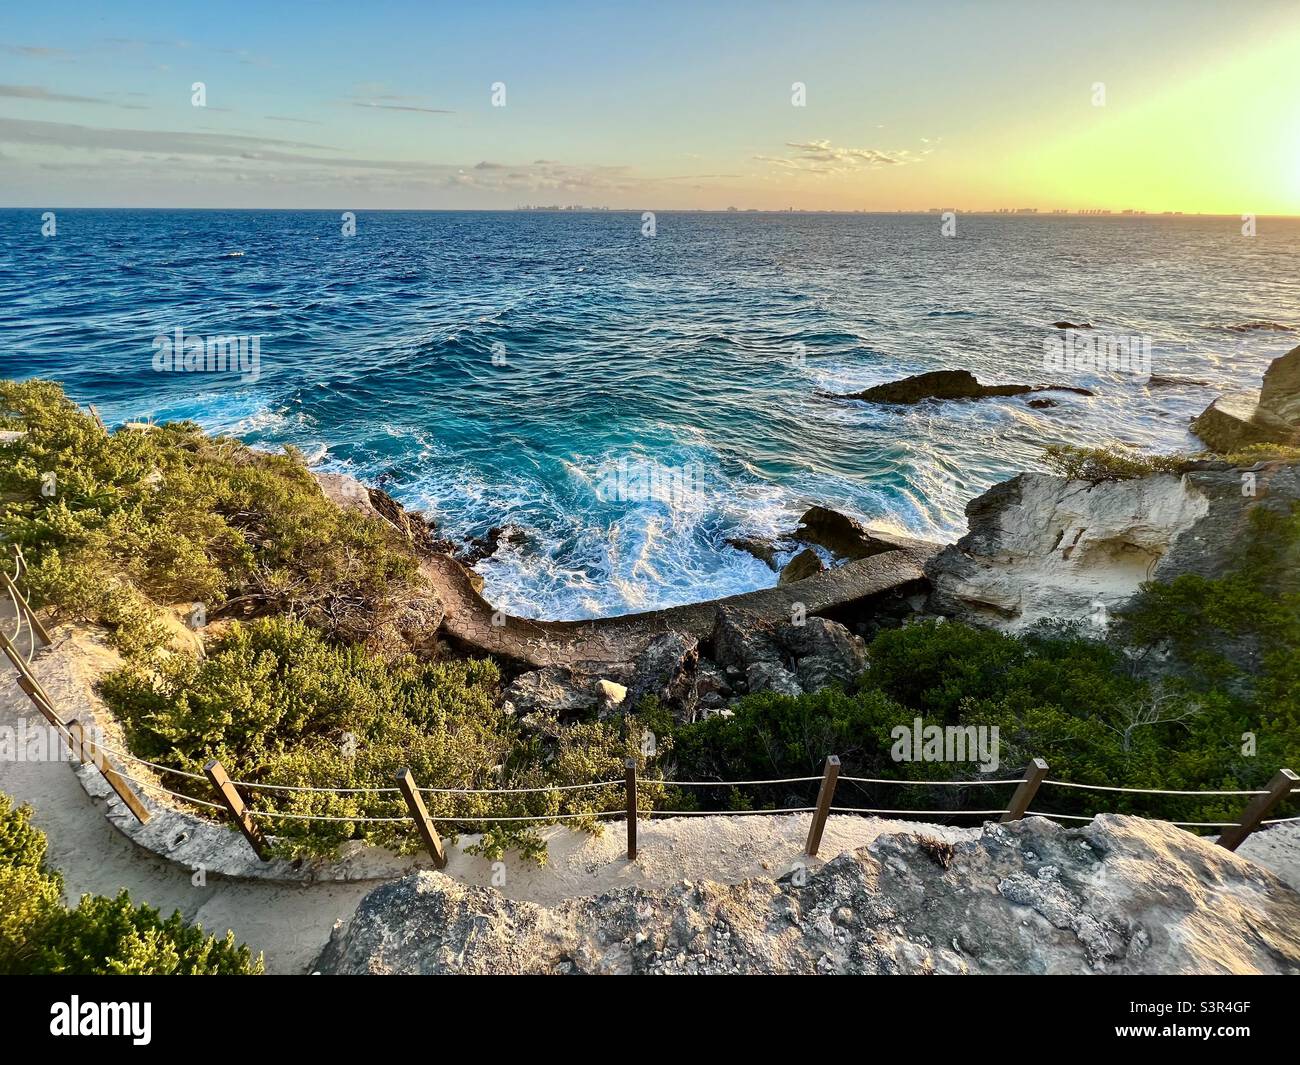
point(246, 818)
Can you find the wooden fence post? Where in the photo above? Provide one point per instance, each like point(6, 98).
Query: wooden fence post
point(84, 748)
point(630, 785)
point(423, 823)
point(1024, 795)
point(830, 775)
point(24, 607)
point(235, 806)
point(40, 700)
point(1278, 789)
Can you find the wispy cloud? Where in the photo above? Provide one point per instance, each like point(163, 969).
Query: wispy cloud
point(36, 51)
point(823, 157)
point(379, 95)
point(35, 92)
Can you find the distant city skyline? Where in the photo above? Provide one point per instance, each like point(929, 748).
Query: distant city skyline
point(1169, 106)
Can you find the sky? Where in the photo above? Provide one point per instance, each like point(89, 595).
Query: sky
point(1159, 105)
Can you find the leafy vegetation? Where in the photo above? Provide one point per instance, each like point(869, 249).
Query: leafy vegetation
point(1099, 464)
point(100, 936)
point(279, 705)
point(166, 514)
point(1231, 679)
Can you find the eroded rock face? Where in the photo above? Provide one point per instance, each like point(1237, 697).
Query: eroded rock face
point(1120, 895)
point(1267, 415)
point(1042, 547)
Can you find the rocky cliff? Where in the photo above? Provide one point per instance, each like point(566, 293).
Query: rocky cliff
point(1119, 895)
point(1041, 546)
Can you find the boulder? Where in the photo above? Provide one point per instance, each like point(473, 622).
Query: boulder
point(948, 384)
point(825, 653)
point(666, 670)
point(610, 694)
point(1279, 395)
point(1072, 325)
point(843, 536)
point(763, 550)
point(1267, 415)
point(804, 564)
point(553, 690)
point(416, 622)
point(1118, 895)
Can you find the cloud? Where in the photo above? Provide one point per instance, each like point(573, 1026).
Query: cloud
point(35, 92)
point(401, 107)
point(379, 95)
point(36, 51)
point(823, 157)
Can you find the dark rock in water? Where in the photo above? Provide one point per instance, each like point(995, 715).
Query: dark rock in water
point(667, 670)
point(843, 536)
point(1072, 325)
point(1118, 895)
point(1042, 404)
point(763, 550)
point(804, 564)
point(948, 384)
point(477, 548)
point(1267, 327)
point(1268, 415)
point(1174, 381)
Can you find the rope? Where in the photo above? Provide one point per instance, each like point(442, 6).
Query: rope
point(321, 817)
point(944, 783)
point(727, 813)
point(151, 786)
point(733, 783)
point(152, 765)
point(525, 791)
point(1146, 791)
point(927, 813)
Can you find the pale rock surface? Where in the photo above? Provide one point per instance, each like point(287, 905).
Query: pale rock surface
point(1119, 895)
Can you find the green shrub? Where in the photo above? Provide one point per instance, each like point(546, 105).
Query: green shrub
point(1113, 463)
point(39, 935)
point(279, 705)
point(169, 515)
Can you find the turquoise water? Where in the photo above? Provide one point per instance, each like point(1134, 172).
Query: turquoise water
point(630, 402)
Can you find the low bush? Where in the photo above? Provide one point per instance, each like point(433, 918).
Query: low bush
point(167, 514)
point(99, 936)
point(279, 705)
point(1114, 463)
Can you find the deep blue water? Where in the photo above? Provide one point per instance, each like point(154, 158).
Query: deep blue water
point(653, 400)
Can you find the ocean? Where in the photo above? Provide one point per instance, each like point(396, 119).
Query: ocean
point(631, 403)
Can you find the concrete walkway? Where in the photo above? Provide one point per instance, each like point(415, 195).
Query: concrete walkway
point(472, 622)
